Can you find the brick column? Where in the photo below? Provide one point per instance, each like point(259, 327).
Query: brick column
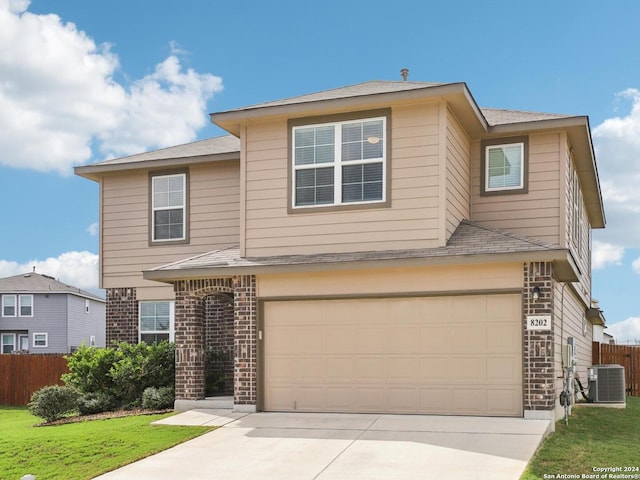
point(190, 349)
point(122, 315)
point(539, 381)
point(245, 346)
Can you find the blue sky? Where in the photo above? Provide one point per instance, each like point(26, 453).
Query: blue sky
point(84, 81)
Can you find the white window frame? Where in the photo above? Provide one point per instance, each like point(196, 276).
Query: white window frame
point(155, 209)
point(20, 297)
point(521, 184)
point(35, 341)
point(13, 342)
point(338, 163)
point(172, 315)
point(15, 305)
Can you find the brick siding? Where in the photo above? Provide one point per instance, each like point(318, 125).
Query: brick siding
point(122, 315)
point(539, 381)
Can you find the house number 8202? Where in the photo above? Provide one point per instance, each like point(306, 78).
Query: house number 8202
point(538, 322)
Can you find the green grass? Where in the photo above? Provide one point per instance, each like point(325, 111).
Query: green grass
point(595, 437)
point(80, 450)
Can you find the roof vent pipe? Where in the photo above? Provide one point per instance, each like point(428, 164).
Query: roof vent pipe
point(404, 73)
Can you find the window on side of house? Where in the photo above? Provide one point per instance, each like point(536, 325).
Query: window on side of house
point(8, 342)
point(168, 207)
point(505, 165)
point(156, 321)
point(40, 340)
point(339, 163)
point(26, 305)
point(9, 303)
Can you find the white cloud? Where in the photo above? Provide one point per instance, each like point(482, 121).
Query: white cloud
point(626, 331)
point(78, 269)
point(605, 254)
point(94, 229)
point(617, 145)
point(58, 96)
point(636, 265)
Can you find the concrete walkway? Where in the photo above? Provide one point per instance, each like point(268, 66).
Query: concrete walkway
point(301, 446)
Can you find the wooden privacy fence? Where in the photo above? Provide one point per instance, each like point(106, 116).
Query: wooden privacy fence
point(626, 355)
point(21, 375)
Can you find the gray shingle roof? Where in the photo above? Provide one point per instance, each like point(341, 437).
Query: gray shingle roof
point(468, 239)
point(30, 283)
point(495, 116)
point(210, 146)
point(360, 89)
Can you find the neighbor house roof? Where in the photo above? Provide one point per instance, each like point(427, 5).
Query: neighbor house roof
point(470, 243)
point(30, 283)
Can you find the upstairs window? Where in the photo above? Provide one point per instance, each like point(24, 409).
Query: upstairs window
point(26, 305)
point(168, 207)
point(339, 163)
point(156, 321)
point(9, 305)
point(504, 165)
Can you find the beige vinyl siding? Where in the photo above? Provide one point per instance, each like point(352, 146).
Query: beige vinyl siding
point(458, 174)
point(214, 215)
point(535, 214)
point(569, 314)
point(579, 249)
point(435, 279)
point(410, 222)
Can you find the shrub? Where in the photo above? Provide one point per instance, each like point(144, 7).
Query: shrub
point(121, 372)
point(53, 402)
point(96, 402)
point(158, 398)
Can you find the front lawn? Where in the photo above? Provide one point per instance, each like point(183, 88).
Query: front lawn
point(80, 450)
point(596, 438)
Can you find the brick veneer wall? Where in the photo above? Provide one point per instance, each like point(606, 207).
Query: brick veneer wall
point(190, 336)
point(122, 315)
point(219, 334)
point(539, 381)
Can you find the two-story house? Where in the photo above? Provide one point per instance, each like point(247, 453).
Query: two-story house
point(381, 247)
point(43, 315)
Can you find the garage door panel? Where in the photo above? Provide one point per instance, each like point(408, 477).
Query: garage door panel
point(441, 355)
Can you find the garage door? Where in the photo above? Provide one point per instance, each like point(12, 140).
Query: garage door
point(458, 355)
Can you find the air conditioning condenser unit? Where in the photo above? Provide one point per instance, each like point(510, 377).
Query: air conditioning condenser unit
point(606, 384)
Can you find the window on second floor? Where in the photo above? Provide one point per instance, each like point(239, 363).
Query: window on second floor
point(26, 305)
point(169, 208)
point(156, 321)
point(17, 305)
point(9, 305)
point(339, 161)
point(505, 165)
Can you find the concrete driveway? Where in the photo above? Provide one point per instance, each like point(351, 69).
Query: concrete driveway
point(300, 446)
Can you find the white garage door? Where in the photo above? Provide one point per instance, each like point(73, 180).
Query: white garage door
point(458, 355)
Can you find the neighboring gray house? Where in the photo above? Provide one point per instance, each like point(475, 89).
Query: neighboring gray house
point(42, 315)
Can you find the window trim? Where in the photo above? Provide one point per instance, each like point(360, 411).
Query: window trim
point(35, 342)
point(15, 305)
point(20, 297)
point(185, 217)
point(172, 320)
point(339, 118)
point(504, 141)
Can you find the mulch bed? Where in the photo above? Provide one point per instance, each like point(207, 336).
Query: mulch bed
point(103, 416)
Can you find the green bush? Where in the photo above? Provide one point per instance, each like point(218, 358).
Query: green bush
point(158, 398)
point(54, 402)
point(121, 372)
point(96, 402)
